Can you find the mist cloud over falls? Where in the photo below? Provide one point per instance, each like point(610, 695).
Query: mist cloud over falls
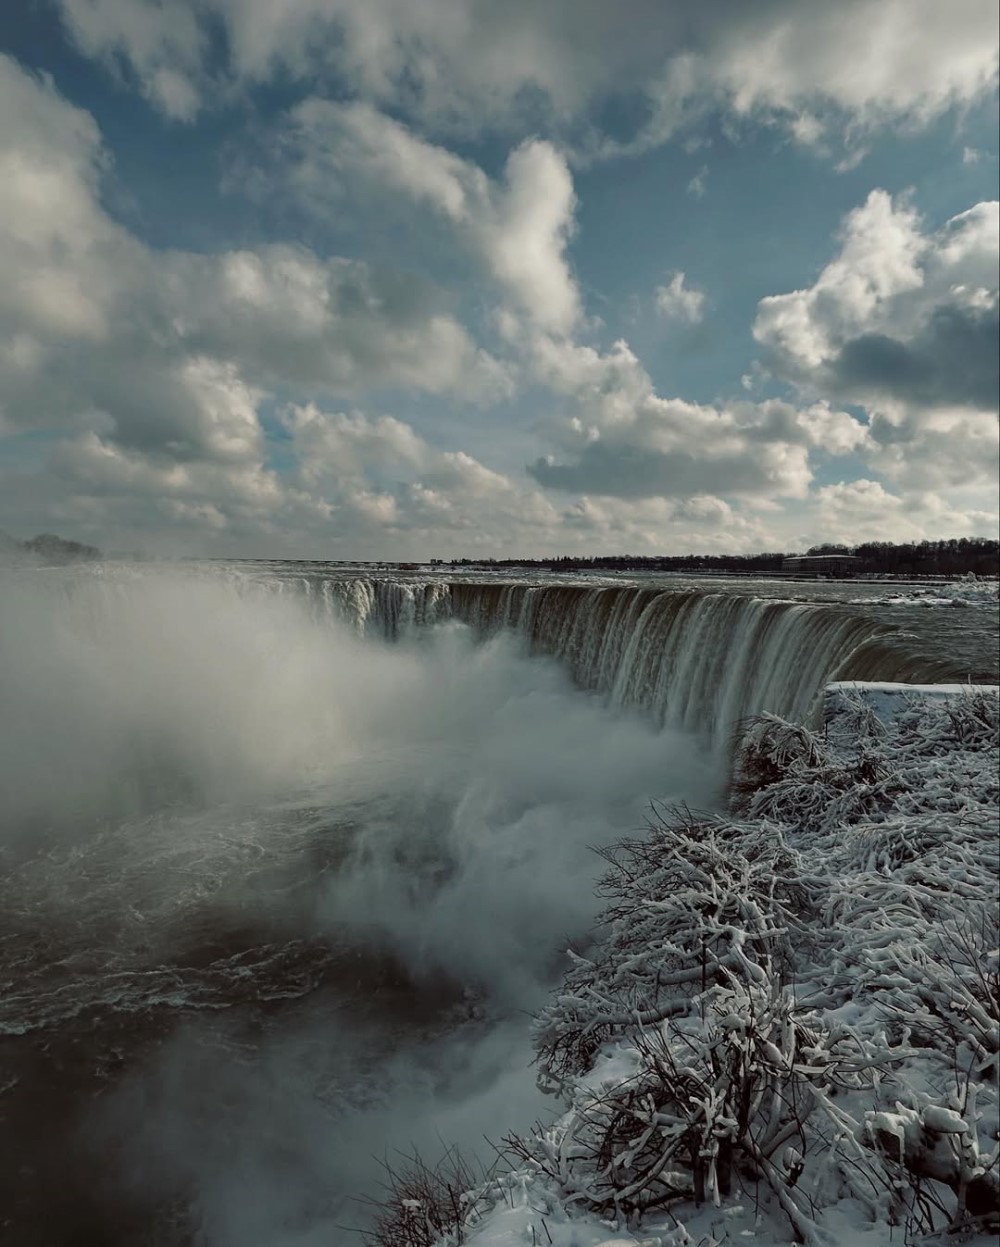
point(203, 789)
point(468, 779)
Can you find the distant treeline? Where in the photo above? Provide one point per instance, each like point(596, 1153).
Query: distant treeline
point(47, 549)
point(954, 557)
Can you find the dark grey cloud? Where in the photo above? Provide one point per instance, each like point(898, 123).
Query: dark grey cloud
point(902, 320)
point(634, 471)
point(953, 361)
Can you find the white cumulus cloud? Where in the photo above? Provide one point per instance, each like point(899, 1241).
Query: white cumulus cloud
point(904, 322)
point(679, 301)
point(518, 226)
point(625, 440)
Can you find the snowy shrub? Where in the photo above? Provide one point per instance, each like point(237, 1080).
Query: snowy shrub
point(934, 757)
point(707, 1103)
point(766, 749)
point(797, 1006)
point(427, 1205)
point(694, 905)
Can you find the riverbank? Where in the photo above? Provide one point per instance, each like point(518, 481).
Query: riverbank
point(789, 1029)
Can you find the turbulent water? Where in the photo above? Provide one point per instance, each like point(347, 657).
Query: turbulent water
point(286, 851)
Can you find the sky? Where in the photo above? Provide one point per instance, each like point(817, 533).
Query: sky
point(403, 279)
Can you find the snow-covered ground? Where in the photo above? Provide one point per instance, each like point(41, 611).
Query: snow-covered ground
point(789, 1029)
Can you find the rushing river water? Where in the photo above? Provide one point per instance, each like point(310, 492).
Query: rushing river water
point(287, 850)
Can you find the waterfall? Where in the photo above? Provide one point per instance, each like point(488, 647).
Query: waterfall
point(698, 659)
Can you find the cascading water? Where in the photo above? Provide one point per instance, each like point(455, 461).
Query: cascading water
point(699, 660)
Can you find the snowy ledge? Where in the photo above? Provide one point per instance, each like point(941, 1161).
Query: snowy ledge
point(789, 1028)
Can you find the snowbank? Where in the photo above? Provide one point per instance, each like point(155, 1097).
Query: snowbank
point(789, 1030)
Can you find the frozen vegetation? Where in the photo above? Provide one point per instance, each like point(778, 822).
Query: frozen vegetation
point(787, 1029)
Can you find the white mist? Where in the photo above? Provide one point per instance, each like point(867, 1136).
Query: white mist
point(179, 759)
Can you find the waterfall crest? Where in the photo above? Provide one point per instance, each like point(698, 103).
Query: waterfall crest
point(701, 660)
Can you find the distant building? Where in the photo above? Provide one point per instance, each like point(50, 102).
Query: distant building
point(822, 564)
